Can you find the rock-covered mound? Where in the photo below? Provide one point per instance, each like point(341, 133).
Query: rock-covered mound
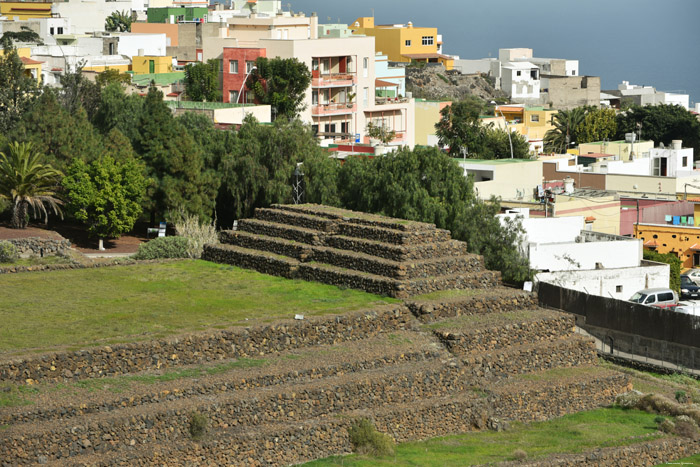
point(377, 254)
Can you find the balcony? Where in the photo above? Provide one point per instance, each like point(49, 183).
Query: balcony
point(333, 109)
point(329, 80)
point(391, 100)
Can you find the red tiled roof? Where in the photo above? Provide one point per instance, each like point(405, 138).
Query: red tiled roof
point(29, 61)
point(651, 243)
point(695, 247)
point(590, 219)
point(380, 83)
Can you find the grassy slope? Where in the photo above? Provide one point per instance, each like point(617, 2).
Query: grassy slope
point(89, 307)
point(573, 433)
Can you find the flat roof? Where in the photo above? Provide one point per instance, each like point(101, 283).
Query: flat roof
point(493, 161)
point(596, 155)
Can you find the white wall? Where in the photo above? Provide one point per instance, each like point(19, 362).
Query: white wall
point(474, 66)
point(235, 115)
point(152, 44)
point(553, 229)
point(585, 255)
point(604, 282)
point(640, 166)
point(89, 15)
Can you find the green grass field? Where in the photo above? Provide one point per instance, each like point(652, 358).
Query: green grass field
point(569, 434)
point(81, 308)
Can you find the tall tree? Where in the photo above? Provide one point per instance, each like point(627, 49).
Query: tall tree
point(497, 144)
point(106, 195)
point(174, 161)
point(459, 127)
point(597, 125)
point(119, 21)
point(18, 90)
point(28, 183)
point(25, 35)
point(77, 91)
point(121, 111)
point(280, 83)
point(661, 124)
point(202, 81)
point(565, 132)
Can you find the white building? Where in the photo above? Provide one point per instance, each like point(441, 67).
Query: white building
point(520, 80)
point(648, 95)
point(601, 264)
point(89, 16)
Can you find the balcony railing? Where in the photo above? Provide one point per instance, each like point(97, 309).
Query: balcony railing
point(333, 79)
point(333, 109)
point(391, 100)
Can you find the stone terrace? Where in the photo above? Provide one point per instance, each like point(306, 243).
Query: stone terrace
point(377, 254)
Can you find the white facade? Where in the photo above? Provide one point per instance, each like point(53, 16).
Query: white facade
point(648, 95)
point(520, 80)
point(468, 67)
point(671, 162)
point(89, 15)
point(133, 44)
point(591, 262)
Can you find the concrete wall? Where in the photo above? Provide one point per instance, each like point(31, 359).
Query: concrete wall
point(621, 149)
point(619, 283)
point(89, 15)
point(655, 214)
point(152, 44)
point(510, 180)
point(676, 239)
point(474, 66)
point(585, 256)
point(427, 115)
point(550, 172)
point(568, 92)
point(170, 31)
point(605, 210)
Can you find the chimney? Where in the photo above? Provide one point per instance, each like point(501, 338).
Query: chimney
point(568, 185)
point(140, 52)
point(409, 25)
point(677, 144)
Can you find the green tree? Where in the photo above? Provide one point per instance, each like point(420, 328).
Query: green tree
point(26, 182)
point(18, 90)
point(496, 144)
point(459, 127)
point(106, 195)
point(565, 132)
point(674, 263)
point(174, 162)
point(58, 134)
point(23, 35)
point(119, 21)
point(280, 83)
point(202, 81)
point(77, 91)
point(597, 125)
point(112, 75)
point(120, 111)
point(661, 124)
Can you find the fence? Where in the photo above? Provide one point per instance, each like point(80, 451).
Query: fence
point(647, 332)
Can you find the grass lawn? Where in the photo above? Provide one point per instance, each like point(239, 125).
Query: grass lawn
point(569, 434)
point(37, 261)
point(90, 307)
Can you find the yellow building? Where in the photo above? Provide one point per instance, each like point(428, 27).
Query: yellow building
point(622, 149)
point(602, 210)
point(427, 115)
point(404, 43)
point(25, 10)
point(32, 68)
point(681, 240)
point(149, 64)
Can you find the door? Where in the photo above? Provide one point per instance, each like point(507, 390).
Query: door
point(151, 66)
point(343, 65)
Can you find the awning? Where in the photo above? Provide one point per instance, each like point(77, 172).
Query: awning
point(380, 83)
point(590, 219)
point(695, 247)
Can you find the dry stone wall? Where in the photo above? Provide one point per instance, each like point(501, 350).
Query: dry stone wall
point(35, 246)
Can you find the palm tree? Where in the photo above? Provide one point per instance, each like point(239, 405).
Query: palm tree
point(26, 182)
point(565, 131)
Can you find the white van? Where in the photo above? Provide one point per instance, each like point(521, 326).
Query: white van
point(661, 298)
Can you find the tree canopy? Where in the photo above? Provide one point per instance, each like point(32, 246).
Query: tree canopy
point(18, 91)
point(661, 124)
point(280, 83)
point(119, 21)
point(202, 81)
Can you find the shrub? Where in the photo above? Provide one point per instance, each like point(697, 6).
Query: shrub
point(163, 247)
point(681, 397)
point(628, 400)
point(198, 425)
point(655, 403)
point(519, 455)
point(198, 234)
point(365, 439)
point(667, 426)
point(8, 252)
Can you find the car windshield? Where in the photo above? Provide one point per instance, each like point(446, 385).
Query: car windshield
point(638, 297)
point(685, 280)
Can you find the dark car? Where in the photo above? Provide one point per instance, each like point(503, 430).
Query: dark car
point(689, 289)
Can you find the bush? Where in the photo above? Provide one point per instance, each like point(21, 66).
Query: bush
point(163, 247)
point(8, 252)
point(628, 400)
point(667, 426)
point(197, 234)
point(198, 425)
point(366, 439)
point(519, 455)
point(681, 397)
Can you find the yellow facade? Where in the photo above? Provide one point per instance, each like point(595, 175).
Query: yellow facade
point(151, 64)
point(32, 68)
point(101, 68)
point(427, 115)
point(621, 149)
point(537, 122)
point(602, 211)
point(400, 43)
point(25, 10)
point(683, 241)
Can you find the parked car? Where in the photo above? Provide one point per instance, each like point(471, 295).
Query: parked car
point(694, 275)
point(689, 289)
point(660, 297)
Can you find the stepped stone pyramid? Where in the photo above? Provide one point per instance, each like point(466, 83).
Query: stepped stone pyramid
point(381, 255)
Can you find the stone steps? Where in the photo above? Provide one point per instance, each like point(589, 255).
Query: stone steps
point(571, 351)
point(289, 232)
point(398, 252)
point(299, 219)
point(496, 331)
point(393, 236)
point(311, 364)
point(477, 280)
point(261, 261)
point(278, 246)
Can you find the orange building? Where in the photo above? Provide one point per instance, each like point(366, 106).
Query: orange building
point(681, 240)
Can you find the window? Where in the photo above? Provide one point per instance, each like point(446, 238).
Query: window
point(329, 128)
point(59, 30)
point(233, 66)
point(517, 73)
point(51, 31)
point(534, 118)
point(618, 288)
point(685, 161)
point(249, 97)
point(233, 97)
point(365, 97)
point(408, 43)
point(111, 48)
point(428, 40)
point(249, 64)
point(365, 67)
point(344, 127)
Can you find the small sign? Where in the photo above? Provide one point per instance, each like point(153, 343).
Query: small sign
point(357, 137)
point(527, 286)
point(298, 316)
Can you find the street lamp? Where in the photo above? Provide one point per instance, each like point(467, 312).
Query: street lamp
point(243, 85)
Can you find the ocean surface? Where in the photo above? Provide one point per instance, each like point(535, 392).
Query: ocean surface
point(646, 42)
